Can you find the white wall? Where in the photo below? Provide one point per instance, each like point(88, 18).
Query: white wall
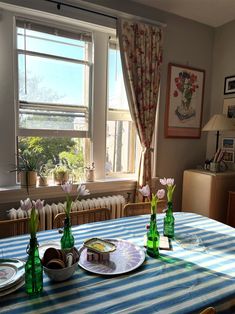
point(185, 42)
point(7, 112)
point(223, 66)
point(191, 44)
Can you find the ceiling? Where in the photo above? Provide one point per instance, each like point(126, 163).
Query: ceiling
point(211, 12)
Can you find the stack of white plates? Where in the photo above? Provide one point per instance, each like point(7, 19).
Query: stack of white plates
point(11, 275)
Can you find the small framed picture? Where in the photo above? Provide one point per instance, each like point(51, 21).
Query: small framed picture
point(229, 107)
point(228, 156)
point(228, 143)
point(229, 85)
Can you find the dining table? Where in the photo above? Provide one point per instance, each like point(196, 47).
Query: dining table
point(197, 271)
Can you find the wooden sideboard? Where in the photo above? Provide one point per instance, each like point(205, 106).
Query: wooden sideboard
point(207, 193)
point(231, 209)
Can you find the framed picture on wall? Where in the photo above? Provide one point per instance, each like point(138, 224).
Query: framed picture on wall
point(228, 156)
point(184, 101)
point(229, 107)
point(229, 85)
point(228, 143)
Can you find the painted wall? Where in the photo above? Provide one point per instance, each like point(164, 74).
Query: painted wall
point(7, 111)
point(223, 66)
point(185, 42)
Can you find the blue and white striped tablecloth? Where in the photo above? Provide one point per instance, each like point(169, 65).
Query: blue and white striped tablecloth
point(184, 280)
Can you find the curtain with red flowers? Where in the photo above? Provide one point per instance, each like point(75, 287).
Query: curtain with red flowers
point(141, 54)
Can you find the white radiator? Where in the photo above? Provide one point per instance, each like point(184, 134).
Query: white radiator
point(115, 203)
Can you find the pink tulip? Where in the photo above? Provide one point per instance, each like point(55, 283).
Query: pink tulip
point(38, 204)
point(82, 190)
point(160, 194)
point(145, 190)
point(163, 181)
point(170, 181)
point(67, 187)
point(26, 204)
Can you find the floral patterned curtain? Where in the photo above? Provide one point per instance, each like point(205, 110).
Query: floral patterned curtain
point(141, 53)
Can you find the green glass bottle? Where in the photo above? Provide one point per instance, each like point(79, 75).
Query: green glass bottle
point(67, 240)
point(152, 234)
point(169, 222)
point(33, 270)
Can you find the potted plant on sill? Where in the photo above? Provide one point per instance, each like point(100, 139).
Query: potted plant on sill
point(61, 173)
point(44, 172)
point(27, 169)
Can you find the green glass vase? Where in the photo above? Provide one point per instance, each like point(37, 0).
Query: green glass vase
point(169, 222)
point(33, 269)
point(67, 240)
point(153, 235)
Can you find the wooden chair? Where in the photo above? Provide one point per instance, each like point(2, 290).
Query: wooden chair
point(83, 216)
point(14, 227)
point(209, 310)
point(142, 208)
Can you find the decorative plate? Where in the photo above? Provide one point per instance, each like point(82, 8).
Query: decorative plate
point(125, 258)
point(13, 288)
point(11, 273)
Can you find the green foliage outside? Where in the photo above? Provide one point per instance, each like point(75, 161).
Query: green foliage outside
point(54, 151)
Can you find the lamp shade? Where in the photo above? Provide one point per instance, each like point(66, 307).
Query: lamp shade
point(219, 122)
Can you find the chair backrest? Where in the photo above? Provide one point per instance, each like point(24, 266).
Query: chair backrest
point(14, 227)
point(83, 216)
point(209, 310)
point(142, 208)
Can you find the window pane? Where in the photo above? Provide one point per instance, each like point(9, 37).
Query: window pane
point(116, 93)
point(121, 151)
point(53, 93)
point(51, 120)
point(50, 44)
point(53, 151)
point(52, 81)
point(118, 146)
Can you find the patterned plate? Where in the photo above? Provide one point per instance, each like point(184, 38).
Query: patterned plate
point(11, 272)
point(13, 288)
point(125, 258)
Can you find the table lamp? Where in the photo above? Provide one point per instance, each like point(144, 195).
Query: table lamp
point(219, 122)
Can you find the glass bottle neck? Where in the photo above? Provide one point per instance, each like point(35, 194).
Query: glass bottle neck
point(153, 210)
point(67, 223)
point(33, 247)
point(153, 222)
point(169, 207)
point(153, 217)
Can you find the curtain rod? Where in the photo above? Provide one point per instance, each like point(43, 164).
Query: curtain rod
point(60, 3)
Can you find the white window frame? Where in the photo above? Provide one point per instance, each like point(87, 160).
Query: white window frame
point(21, 104)
point(98, 111)
point(125, 116)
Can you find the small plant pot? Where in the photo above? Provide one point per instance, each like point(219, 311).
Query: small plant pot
point(215, 167)
point(28, 179)
point(42, 181)
point(61, 178)
point(90, 175)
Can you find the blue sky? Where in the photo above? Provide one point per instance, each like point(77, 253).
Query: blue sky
point(64, 78)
